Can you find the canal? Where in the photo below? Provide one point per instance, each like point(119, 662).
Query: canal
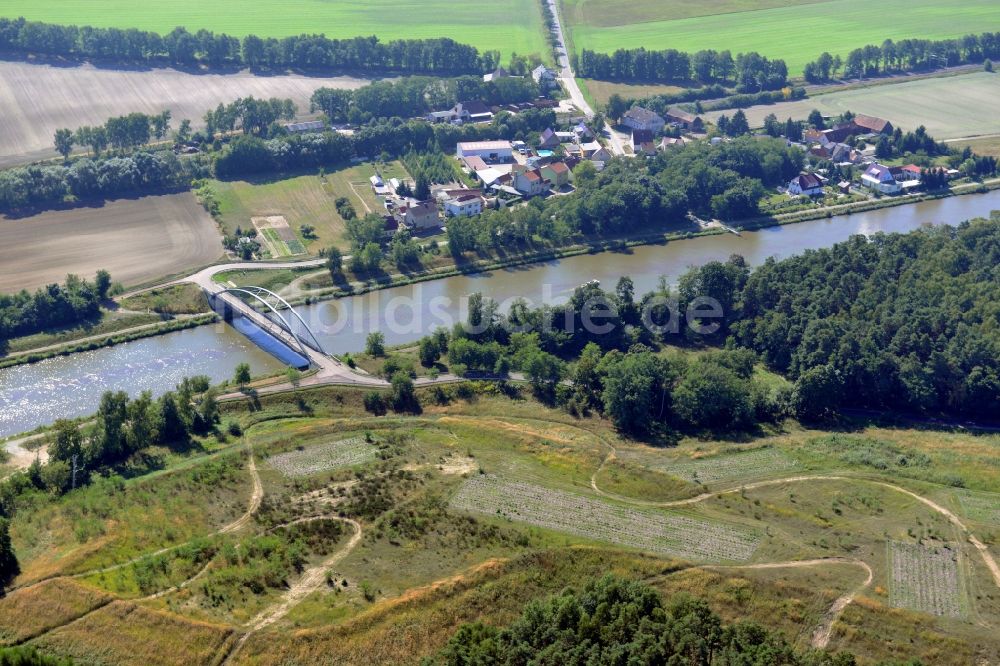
point(37, 394)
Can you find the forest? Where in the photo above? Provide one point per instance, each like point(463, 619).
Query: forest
point(181, 47)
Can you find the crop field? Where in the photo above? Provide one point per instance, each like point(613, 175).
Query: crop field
point(794, 30)
point(950, 107)
point(504, 25)
point(600, 91)
point(324, 457)
point(666, 534)
point(136, 240)
point(278, 236)
point(924, 578)
point(736, 466)
point(36, 100)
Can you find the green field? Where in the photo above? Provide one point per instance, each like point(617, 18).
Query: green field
point(950, 107)
point(504, 25)
point(795, 30)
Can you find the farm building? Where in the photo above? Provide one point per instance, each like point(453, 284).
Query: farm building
point(543, 76)
point(688, 121)
point(488, 151)
point(668, 142)
point(305, 127)
point(463, 112)
point(496, 75)
point(643, 141)
point(873, 125)
point(806, 185)
point(638, 118)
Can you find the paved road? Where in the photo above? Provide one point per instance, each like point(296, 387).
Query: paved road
point(566, 75)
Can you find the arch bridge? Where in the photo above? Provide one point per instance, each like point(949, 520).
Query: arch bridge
point(305, 342)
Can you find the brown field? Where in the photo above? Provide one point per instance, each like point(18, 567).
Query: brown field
point(136, 240)
point(142, 636)
point(36, 100)
point(32, 611)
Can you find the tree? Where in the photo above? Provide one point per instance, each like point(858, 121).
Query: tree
point(738, 125)
point(375, 344)
point(429, 352)
point(988, 65)
point(68, 442)
point(9, 567)
point(173, 428)
point(242, 376)
point(422, 188)
point(616, 107)
point(102, 283)
point(403, 397)
point(334, 263)
point(64, 140)
point(816, 119)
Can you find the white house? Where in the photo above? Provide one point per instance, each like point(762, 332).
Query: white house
point(422, 215)
point(464, 204)
point(543, 76)
point(488, 151)
point(879, 178)
point(806, 184)
point(639, 118)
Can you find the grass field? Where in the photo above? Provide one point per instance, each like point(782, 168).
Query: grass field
point(950, 107)
point(136, 240)
point(36, 100)
point(481, 503)
point(599, 91)
point(984, 146)
point(504, 25)
point(794, 30)
point(303, 199)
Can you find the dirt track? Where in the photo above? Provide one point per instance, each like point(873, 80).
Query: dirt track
point(136, 240)
point(36, 100)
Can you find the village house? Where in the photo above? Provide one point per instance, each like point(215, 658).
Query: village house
point(557, 173)
point(474, 163)
point(390, 226)
point(806, 185)
point(544, 77)
point(638, 118)
point(566, 137)
point(529, 181)
point(688, 121)
point(466, 205)
point(880, 178)
point(548, 140)
point(491, 152)
point(495, 75)
point(643, 141)
point(421, 215)
point(583, 133)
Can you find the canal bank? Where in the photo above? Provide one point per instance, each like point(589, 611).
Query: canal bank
point(70, 386)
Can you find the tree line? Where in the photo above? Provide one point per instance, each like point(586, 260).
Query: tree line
point(906, 55)
point(617, 621)
point(181, 47)
point(73, 302)
point(100, 176)
point(750, 72)
point(121, 133)
point(415, 96)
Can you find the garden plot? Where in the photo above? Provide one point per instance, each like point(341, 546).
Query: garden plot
point(324, 457)
point(729, 466)
point(924, 578)
point(981, 507)
point(278, 236)
point(658, 532)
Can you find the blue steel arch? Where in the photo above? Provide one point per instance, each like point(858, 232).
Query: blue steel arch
point(255, 293)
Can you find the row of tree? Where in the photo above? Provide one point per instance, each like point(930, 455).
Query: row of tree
point(907, 55)
point(73, 302)
point(104, 176)
point(181, 47)
point(750, 72)
point(415, 96)
point(121, 133)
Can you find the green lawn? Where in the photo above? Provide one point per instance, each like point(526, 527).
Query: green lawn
point(504, 25)
point(795, 31)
